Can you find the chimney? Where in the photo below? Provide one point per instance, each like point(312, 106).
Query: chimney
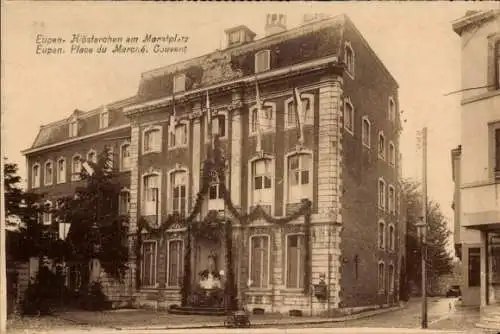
point(275, 24)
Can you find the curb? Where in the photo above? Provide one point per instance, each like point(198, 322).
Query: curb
point(356, 316)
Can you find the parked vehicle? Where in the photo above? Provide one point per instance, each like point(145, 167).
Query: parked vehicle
point(454, 291)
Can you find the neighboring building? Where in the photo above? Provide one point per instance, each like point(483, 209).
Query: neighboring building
point(476, 163)
point(348, 167)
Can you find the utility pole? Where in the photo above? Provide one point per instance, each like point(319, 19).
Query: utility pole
point(423, 241)
point(3, 255)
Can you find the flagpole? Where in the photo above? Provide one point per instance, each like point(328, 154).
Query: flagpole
point(259, 115)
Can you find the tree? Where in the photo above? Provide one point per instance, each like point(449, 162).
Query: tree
point(439, 260)
point(96, 227)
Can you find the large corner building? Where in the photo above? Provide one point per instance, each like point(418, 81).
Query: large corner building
point(322, 221)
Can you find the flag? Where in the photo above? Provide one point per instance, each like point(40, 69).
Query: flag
point(299, 114)
point(209, 120)
point(88, 168)
point(259, 116)
point(171, 126)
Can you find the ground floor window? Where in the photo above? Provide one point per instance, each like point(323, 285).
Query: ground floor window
point(259, 261)
point(148, 272)
point(474, 269)
point(174, 266)
point(295, 257)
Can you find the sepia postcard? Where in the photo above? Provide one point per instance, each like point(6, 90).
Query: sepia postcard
point(250, 167)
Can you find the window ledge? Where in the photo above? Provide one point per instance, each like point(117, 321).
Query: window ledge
point(259, 291)
point(293, 291)
point(151, 151)
point(173, 148)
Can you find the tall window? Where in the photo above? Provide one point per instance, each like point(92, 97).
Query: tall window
point(178, 183)
point(61, 170)
point(381, 276)
point(49, 173)
point(299, 177)
point(92, 156)
point(497, 64)
point(392, 154)
point(497, 152)
point(152, 140)
point(295, 257)
point(291, 113)
point(390, 277)
point(218, 126)
point(262, 182)
point(349, 58)
point(104, 119)
point(381, 145)
point(179, 137)
point(76, 168)
point(151, 193)
point(47, 213)
point(266, 120)
point(366, 132)
point(179, 83)
point(262, 61)
point(125, 157)
point(474, 269)
point(215, 191)
point(259, 261)
point(175, 260)
point(392, 200)
point(348, 116)
point(381, 235)
point(73, 128)
point(392, 238)
point(35, 176)
point(124, 202)
point(381, 194)
point(392, 110)
point(148, 264)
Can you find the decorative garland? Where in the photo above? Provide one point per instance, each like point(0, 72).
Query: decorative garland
point(212, 226)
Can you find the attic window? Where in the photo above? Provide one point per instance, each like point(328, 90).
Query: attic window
point(234, 37)
point(262, 61)
point(73, 128)
point(179, 83)
point(104, 119)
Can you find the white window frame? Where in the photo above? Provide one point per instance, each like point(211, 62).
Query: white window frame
point(104, 119)
point(391, 203)
point(217, 203)
point(267, 283)
point(251, 180)
point(381, 284)
point(226, 121)
point(156, 148)
point(178, 169)
point(392, 154)
point(179, 87)
point(268, 65)
point(155, 263)
point(253, 109)
point(124, 168)
point(35, 180)
point(92, 151)
point(381, 231)
point(73, 128)
point(181, 257)
point(391, 109)
point(184, 145)
point(382, 155)
point(383, 200)
point(47, 216)
point(347, 101)
point(392, 237)
point(350, 66)
point(285, 268)
point(309, 116)
point(61, 176)
point(46, 181)
point(310, 191)
point(144, 205)
point(75, 175)
point(120, 205)
point(366, 137)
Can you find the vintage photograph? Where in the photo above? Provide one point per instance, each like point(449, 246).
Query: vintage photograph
point(250, 167)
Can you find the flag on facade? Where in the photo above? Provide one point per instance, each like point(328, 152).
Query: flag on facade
point(299, 114)
point(88, 168)
point(258, 102)
point(209, 120)
point(171, 126)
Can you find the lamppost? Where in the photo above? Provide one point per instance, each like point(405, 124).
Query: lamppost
point(422, 229)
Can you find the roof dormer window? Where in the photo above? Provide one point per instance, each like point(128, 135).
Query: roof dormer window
point(104, 119)
point(73, 128)
point(234, 37)
point(262, 61)
point(179, 83)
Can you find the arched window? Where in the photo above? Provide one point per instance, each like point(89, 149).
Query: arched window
point(366, 132)
point(299, 172)
point(179, 138)
point(76, 167)
point(151, 195)
point(125, 157)
point(381, 193)
point(291, 112)
point(381, 234)
point(259, 262)
point(35, 176)
point(392, 109)
point(392, 199)
point(49, 173)
point(381, 276)
point(151, 139)
point(267, 120)
point(392, 154)
point(348, 115)
point(178, 191)
point(262, 182)
point(392, 238)
point(349, 58)
point(390, 277)
point(381, 145)
point(61, 170)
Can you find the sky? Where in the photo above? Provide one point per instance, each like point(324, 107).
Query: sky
point(414, 40)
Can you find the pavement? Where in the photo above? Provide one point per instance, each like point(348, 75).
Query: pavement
point(445, 316)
